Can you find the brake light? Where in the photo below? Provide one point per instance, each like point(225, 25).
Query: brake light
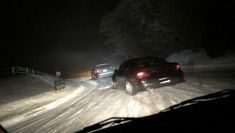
point(141, 75)
point(177, 66)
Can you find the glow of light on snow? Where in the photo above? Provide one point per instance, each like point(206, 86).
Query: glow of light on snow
point(37, 111)
point(134, 108)
point(64, 99)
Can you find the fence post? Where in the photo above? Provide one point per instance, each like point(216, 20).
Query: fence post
point(12, 70)
point(26, 71)
point(32, 72)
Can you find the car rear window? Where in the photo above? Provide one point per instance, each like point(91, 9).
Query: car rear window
point(148, 63)
point(102, 66)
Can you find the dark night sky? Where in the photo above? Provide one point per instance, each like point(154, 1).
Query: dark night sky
point(49, 35)
point(54, 35)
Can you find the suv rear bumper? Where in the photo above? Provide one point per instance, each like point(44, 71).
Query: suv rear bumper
point(155, 82)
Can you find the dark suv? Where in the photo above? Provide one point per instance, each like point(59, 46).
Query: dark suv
point(101, 71)
point(146, 72)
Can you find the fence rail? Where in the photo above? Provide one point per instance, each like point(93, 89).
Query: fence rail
point(21, 70)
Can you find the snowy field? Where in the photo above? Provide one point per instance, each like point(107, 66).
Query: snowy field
point(20, 94)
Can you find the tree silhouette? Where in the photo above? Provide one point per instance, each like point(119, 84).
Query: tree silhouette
point(158, 27)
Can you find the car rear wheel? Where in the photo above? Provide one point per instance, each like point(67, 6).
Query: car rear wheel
point(114, 84)
point(130, 90)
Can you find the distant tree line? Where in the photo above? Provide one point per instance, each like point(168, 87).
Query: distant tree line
point(161, 27)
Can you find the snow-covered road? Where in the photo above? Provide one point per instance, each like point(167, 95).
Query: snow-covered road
point(94, 101)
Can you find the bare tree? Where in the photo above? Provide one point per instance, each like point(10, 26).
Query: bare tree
point(153, 27)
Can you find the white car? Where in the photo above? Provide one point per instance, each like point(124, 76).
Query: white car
point(101, 71)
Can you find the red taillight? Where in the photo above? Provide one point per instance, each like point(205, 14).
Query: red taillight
point(177, 66)
point(141, 75)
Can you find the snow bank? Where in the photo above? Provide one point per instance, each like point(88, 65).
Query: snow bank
point(22, 93)
point(18, 87)
point(184, 57)
point(199, 61)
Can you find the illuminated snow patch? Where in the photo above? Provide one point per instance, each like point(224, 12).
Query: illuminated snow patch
point(64, 99)
point(36, 112)
point(92, 82)
point(105, 87)
point(134, 108)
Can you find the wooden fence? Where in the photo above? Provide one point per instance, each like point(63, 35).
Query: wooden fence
point(58, 82)
point(22, 71)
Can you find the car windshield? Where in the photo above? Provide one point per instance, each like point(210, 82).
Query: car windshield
point(66, 65)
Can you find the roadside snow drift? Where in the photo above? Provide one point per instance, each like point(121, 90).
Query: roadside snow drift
point(22, 93)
